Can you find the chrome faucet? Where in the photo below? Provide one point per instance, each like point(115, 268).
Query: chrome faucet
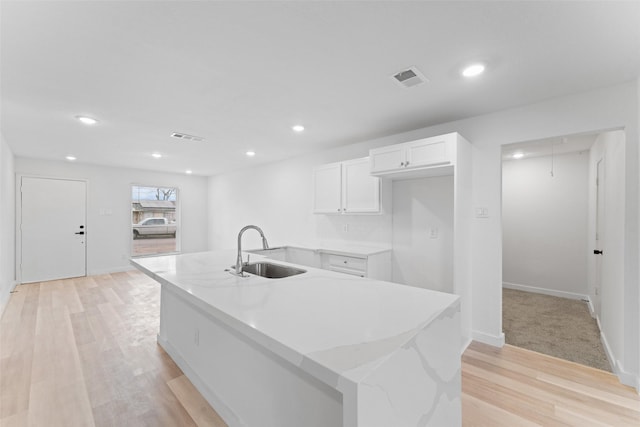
point(265, 245)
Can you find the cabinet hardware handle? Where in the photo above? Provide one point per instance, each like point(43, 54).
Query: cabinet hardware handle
point(344, 262)
point(401, 163)
point(80, 232)
point(407, 163)
point(597, 252)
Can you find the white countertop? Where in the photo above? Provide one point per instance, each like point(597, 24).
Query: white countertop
point(352, 249)
point(334, 326)
point(362, 250)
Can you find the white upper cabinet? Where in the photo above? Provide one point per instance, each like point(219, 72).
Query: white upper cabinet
point(387, 159)
point(360, 190)
point(327, 184)
point(430, 151)
point(346, 187)
point(420, 155)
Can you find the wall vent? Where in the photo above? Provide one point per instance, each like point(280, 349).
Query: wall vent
point(409, 77)
point(187, 137)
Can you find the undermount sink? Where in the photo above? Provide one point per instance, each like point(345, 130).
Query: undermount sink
point(271, 271)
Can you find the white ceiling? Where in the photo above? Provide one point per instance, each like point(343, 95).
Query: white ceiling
point(550, 146)
point(240, 74)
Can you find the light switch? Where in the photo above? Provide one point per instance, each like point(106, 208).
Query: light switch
point(482, 212)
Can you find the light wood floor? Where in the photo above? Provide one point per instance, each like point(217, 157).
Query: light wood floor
point(83, 352)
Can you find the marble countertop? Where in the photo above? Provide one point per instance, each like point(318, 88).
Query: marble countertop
point(340, 248)
point(334, 326)
point(351, 249)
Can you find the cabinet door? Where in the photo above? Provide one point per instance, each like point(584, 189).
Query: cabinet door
point(360, 190)
point(429, 152)
point(387, 158)
point(327, 188)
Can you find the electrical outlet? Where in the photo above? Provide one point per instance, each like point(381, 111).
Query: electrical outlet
point(433, 233)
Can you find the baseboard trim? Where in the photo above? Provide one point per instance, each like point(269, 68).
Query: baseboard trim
point(628, 378)
point(100, 271)
point(494, 340)
point(607, 350)
point(592, 311)
point(4, 299)
point(544, 291)
point(465, 344)
point(210, 396)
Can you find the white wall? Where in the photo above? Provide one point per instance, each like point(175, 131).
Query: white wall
point(603, 109)
point(109, 189)
point(544, 224)
point(637, 355)
point(278, 197)
point(610, 147)
point(7, 223)
point(251, 196)
point(420, 258)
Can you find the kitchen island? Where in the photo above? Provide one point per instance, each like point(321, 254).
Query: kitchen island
point(315, 349)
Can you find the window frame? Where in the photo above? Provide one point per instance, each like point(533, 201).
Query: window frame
point(177, 214)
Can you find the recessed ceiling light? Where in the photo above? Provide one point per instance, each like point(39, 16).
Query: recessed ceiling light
point(156, 155)
point(250, 153)
point(188, 172)
point(87, 120)
point(70, 158)
point(518, 155)
point(298, 128)
point(473, 70)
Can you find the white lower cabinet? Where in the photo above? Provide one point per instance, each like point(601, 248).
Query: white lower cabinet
point(374, 266)
point(346, 188)
point(345, 264)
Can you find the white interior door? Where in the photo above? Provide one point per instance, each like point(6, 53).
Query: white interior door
point(53, 229)
point(598, 251)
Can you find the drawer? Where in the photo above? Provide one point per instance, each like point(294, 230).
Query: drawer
point(348, 263)
point(359, 273)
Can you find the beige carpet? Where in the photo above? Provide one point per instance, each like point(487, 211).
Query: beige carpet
point(555, 326)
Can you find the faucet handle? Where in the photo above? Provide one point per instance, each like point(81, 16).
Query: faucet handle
point(248, 258)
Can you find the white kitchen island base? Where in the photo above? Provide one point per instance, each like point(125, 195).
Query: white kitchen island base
point(245, 383)
point(319, 349)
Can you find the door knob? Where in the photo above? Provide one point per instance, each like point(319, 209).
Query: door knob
point(80, 232)
point(597, 252)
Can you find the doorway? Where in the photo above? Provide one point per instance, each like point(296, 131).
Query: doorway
point(550, 295)
point(52, 228)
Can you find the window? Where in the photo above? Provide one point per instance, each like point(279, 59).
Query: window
point(153, 220)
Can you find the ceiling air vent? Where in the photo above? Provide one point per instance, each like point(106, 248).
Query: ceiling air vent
point(409, 78)
point(187, 137)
